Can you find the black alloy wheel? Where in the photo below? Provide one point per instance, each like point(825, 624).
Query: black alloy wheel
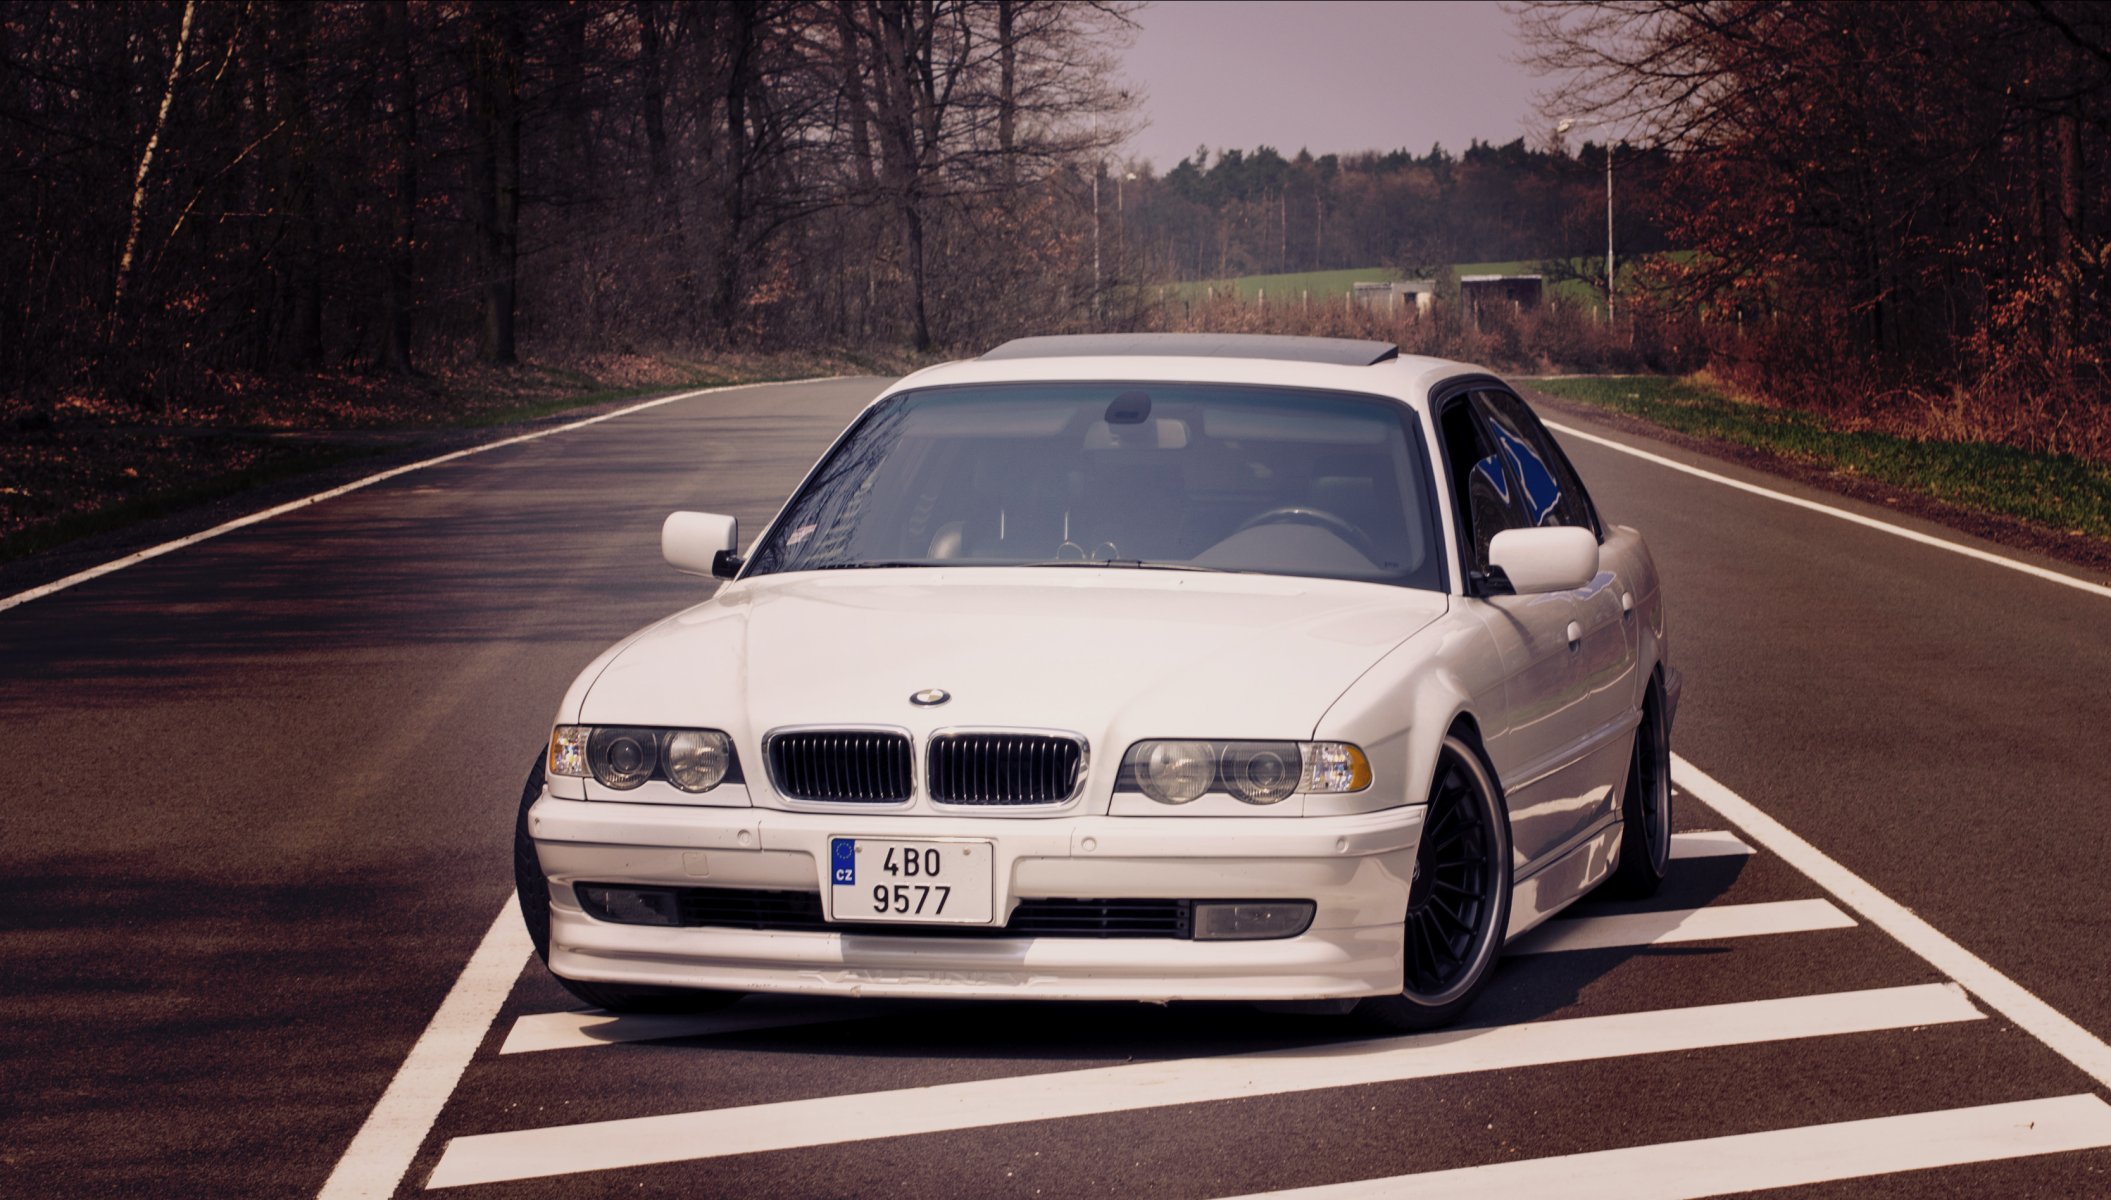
point(1458, 906)
point(533, 888)
point(1645, 808)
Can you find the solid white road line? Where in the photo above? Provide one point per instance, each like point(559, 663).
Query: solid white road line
point(1709, 843)
point(374, 1163)
point(119, 564)
point(1911, 535)
point(1681, 925)
point(570, 1030)
point(830, 1120)
point(2007, 997)
point(1751, 1162)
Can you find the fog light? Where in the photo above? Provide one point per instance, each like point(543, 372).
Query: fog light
point(628, 906)
point(1251, 920)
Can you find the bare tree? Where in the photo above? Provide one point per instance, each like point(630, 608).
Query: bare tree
point(146, 164)
point(494, 106)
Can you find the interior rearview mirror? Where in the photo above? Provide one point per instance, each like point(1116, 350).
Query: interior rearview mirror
point(701, 543)
point(1548, 559)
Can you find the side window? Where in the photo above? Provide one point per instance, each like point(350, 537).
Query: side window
point(1552, 493)
point(1482, 495)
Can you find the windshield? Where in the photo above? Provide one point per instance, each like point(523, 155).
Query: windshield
point(1171, 476)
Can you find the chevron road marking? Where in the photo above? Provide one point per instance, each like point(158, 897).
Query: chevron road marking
point(830, 1120)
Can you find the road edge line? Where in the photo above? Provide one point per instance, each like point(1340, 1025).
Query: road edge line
point(2042, 1021)
point(192, 539)
point(1911, 535)
point(374, 1163)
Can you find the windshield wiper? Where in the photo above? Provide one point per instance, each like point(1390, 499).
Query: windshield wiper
point(876, 562)
point(1128, 563)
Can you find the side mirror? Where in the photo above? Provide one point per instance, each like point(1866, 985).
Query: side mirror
point(701, 544)
point(1549, 559)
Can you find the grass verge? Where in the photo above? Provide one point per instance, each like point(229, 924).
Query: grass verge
point(2061, 492)
point(1332, 285)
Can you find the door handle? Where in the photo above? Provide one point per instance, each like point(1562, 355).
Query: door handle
point(1627, 605)
point(1575, 636)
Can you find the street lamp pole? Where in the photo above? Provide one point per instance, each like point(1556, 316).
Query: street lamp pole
point(1564, 126)
point(1608, 233)
point(1096, 164)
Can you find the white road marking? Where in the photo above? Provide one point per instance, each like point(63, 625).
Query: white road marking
point(1681, 925)
point(1710, 843)
point(2007, 997)
point(1911, 535)
point(374, 1163)
point(570, 1030)
point(1751, 1162)
point(119, 564)
point(830, 1120)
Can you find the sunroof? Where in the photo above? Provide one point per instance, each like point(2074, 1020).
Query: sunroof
point(1339, 352)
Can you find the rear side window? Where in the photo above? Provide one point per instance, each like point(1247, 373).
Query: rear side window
point(1550, 492)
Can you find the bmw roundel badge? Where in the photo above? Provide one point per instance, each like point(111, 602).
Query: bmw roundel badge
point(930, 696)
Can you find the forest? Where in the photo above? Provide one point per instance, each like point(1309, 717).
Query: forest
point(218, 185)
point(1900, 204)
point(1258, 212)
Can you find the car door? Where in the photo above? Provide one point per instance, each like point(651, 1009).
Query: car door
point(1594, 730)
point(1529, 734)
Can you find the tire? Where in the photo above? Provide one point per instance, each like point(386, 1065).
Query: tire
point(533, 888)
point(1645, 806)
point(1458, 906)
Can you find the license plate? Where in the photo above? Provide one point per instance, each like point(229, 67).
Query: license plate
point(931, 883)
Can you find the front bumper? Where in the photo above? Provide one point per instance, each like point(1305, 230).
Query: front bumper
point(1356, 868)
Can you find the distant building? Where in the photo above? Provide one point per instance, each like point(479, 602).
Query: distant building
point(1397, 295)
point(1519, 291)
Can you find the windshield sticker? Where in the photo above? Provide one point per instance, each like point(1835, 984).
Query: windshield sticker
point(800, 534)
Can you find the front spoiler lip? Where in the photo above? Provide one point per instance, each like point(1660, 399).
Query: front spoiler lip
point(1317, 965)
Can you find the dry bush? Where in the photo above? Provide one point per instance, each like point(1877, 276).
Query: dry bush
point(1554, 338)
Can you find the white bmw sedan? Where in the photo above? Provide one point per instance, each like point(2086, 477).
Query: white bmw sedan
point(1146, 667)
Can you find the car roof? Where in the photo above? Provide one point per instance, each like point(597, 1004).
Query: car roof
point(1327, 364)
point(1343, 352)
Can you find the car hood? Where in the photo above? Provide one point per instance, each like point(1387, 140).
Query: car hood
point(1114, 654)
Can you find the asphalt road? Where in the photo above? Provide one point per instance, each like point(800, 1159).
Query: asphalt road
point(259, 809)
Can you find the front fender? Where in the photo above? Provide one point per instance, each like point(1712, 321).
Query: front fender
point(1400, 710)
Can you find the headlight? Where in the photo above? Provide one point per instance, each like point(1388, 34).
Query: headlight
point(697, 758)
point(622, 758)
point(1262, 772)
point(1258, 773)
point(626, 757)
point(1174, 772)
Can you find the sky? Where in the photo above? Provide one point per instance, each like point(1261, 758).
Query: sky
point(1328, 75)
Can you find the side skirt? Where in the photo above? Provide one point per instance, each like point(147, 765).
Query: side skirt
point(1564, 881)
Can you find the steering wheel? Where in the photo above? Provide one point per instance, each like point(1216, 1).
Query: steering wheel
point(1301, 514)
